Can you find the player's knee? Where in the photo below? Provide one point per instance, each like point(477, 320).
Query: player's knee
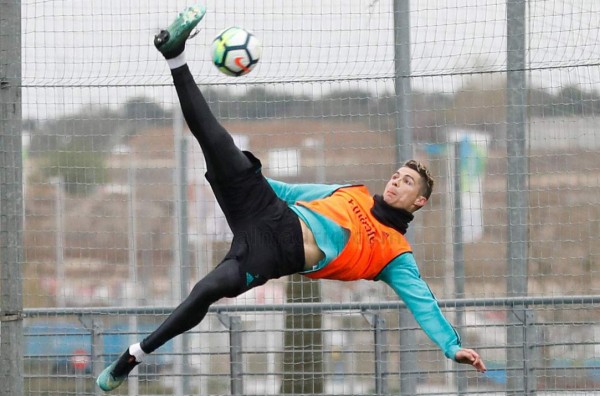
point(223, 281)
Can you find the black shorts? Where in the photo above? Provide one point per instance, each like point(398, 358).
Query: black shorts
point(267, 237)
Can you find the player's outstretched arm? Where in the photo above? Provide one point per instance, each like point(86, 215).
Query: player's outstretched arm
point(469, 356)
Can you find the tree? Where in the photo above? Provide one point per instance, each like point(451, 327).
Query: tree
point(347, 103)
point(80, 170)
point(144, 109)
point(571, 100)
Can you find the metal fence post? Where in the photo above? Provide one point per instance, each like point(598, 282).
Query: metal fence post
point(11, 201)
point(236, 367)
point(517, 188)
point(377, 322)
point(408, 356)
point(404, 141)
point(95, 326)
point(458, 256)
point(181, 248)
point(97, 351)
point(530, 353)
point(380, 355)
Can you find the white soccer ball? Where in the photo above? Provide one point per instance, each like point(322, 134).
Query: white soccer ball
point(235, 51)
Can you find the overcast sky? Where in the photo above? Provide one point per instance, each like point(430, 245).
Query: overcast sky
point(77, 53)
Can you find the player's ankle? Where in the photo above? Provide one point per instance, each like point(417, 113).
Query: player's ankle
point(124, 365)
point(177, 61)
point(136, 351)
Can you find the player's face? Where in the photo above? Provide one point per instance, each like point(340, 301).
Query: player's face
point(403, 190)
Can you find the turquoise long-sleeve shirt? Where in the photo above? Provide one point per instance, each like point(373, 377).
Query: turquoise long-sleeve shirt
point(401, 274)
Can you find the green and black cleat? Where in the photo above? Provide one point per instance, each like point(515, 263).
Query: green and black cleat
point(114, 375)
point(171, 41)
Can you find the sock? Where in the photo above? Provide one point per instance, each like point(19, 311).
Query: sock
point(136, 351)
point(176, 62)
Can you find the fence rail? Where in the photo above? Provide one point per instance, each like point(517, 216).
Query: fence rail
point(383, 376)
point(321, 307)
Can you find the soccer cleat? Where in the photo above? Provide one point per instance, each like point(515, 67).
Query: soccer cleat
point(115, 374)
point(171, 41)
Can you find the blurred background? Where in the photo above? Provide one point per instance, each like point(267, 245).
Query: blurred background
point(109, 221)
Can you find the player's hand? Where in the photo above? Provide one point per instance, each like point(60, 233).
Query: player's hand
point(469, 356)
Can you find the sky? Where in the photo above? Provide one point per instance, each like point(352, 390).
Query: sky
point(99, 52)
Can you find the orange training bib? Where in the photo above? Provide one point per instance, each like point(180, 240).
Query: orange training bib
point(371, 245)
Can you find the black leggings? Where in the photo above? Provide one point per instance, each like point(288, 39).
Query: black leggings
point(267, 236)
point(223, 158)
point(219, 283)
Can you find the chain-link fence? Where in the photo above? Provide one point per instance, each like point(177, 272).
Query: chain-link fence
point(107, 222)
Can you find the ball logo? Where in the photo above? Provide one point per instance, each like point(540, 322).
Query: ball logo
point(238, 62)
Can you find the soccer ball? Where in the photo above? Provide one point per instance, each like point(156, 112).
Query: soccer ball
point(235, 51)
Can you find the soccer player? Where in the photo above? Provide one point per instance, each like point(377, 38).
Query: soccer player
point(337, 232)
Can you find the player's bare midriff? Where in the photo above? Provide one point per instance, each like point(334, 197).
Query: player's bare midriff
point(312, 253)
